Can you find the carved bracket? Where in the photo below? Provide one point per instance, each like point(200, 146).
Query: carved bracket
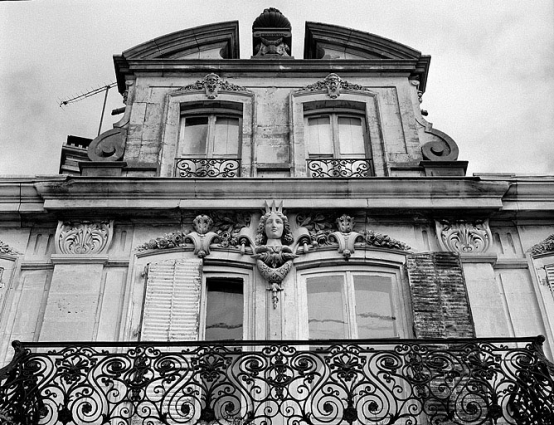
point(212, 85)
point(333, 85)
point(464, 237)
point(83, 237)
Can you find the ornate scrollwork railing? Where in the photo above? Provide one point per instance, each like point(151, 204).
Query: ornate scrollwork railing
point(340, 168)
point(280, 382)
point(207, 167)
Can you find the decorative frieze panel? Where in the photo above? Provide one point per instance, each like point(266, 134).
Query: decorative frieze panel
point(320, 230)
point(83, 237)
point(333, 85)
point(464, 237)
point(211, 85)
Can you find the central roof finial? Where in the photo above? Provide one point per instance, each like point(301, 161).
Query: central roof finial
point(271, 35)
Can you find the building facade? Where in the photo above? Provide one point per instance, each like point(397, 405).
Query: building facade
point(302, 211)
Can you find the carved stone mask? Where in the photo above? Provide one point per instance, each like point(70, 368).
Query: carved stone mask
point(345, 223)
point(202, 224)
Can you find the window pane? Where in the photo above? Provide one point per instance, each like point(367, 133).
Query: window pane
point(224, 309)
point(326, 307)
point(374, 308)
point(320, 141)
point(226, 141)
point(351, 136)
point(194, 137)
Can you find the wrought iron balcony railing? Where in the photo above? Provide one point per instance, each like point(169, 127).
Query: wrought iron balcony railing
point(207, 167)
point(337, 168)
point(504, 381)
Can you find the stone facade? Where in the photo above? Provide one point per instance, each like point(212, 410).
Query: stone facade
point(88, 257)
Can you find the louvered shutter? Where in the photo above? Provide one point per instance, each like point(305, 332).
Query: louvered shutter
point(439, 296)
point(172, 301)
point(550, 275)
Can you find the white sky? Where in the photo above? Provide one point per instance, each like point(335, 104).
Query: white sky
point(490, 87)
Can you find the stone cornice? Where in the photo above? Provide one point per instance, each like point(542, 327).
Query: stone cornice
point(377, 193)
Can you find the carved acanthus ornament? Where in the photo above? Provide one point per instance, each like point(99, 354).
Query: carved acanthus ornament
point(6, 249)
point(464, 237)
point(227, 230)
point(212, 85)
point(273, 256)
point(84, 237)
point(333, 85)
point(544, 247)
point(320, 230)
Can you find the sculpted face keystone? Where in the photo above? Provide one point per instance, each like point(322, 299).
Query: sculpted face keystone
point(274, 227)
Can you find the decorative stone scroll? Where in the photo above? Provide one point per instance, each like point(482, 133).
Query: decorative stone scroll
point(440, 146)
point(274, 257)
point(6, 249)
point(544, 247)
point(464, 237)
point(320, 230)
point(108, 146)
point(83, 237)
point(212, 85)
point(333, 85)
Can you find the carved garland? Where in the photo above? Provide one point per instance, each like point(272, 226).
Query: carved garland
point(83, 237)
point(544, 247)
point(211, 85)
point(333, 85)
point(464, 237)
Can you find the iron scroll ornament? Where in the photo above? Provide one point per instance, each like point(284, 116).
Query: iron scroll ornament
point(455, 381)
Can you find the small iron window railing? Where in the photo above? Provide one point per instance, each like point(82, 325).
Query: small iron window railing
point(340, 168)
point(207, 167)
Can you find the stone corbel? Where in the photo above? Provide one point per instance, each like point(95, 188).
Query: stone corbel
point(346, 237)
point(83, 237)
point(464, 237)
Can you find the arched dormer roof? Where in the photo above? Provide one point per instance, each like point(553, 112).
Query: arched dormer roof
point(214, 41)
point(324, 41)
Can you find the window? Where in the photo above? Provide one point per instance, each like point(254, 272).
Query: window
point(209, 136)
point(336, 135)
point(352, 304)
point(224, 309)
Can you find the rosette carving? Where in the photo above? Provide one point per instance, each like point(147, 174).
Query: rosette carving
point(84, 237)
point(464, 237)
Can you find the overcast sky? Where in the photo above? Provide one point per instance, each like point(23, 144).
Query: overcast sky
point(490, 87)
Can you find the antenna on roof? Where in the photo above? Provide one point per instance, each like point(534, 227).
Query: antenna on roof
point(90, 93)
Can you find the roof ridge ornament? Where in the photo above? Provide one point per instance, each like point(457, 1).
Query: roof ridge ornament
point(333, 84)
point(211, 84)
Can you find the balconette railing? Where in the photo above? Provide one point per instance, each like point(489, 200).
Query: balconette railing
point(337, 168)
point(279, 382)
point(207, 167)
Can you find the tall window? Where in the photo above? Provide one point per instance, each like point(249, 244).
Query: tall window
point(210, 136)
point(336, 135)
point(224, 309)
point(353, 305)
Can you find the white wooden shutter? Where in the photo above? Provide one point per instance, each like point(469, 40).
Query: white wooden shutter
point(172, 301)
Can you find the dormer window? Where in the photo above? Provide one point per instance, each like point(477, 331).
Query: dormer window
point(209, 142)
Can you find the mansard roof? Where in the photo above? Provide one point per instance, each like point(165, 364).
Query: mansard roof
point(325, 41)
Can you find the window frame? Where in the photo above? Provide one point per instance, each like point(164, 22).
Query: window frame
point(334, 114)
point(229, 273)
point(212, 114)
point(399, 294)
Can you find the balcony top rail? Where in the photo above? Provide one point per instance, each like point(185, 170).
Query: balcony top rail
point(454, 381)
point(207, 167)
